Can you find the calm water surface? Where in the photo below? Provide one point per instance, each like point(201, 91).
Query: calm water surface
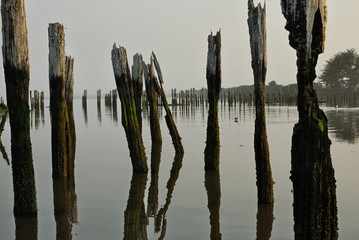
point(181, 202)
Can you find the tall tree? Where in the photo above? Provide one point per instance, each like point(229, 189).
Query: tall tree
point(341, 70)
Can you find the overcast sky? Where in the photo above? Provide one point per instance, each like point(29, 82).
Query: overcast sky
point(177, 32)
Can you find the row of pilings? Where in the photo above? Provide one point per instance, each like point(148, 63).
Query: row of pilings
point(315, 210)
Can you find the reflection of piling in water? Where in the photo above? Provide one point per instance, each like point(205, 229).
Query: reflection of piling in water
point(137, 79)
point(84, 106)
point(213, 187)
point(99, 114)
point(135, 217)
point(37, 108)
point(114, 106)
point(214, 79)
point(257, 32)
point(17, 75)
point(161, 216)
point(312, 174)
point(129, 116)
point(42, 107)
point(58, 107)
point(151, 93)
point(176, 138)
point(108, 104)
point(265, 220)
point(26, 228)
point(2, 148)
point(152, 200)
point(62, 203)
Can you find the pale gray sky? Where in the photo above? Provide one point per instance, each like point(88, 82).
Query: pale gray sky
point(177, 32)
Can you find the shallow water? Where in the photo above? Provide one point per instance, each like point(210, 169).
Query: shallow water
point(189, 204)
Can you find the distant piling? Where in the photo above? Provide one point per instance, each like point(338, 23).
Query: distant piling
point(258, 38)
point(58, 106)
point(129, 116)
point(17, 77)
point(214, 80)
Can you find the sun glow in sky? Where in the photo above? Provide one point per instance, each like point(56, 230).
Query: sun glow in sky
point(177, 32)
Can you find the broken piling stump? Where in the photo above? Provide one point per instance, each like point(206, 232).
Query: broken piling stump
point(58, 106)
point(176, 138)
point(17, 77)
point(128, 109)
point(214, 79)
point(151, 94)
point(312, 174)
point(70, 124)
point(137, 79)
point(257, 32)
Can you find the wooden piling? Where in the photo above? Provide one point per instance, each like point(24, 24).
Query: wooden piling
point(70, 124)
point(137, 79)
point(265, 219)
point(17, 77)
point(58, 106)
point(176, 138)
point(129, 116)
point(257, 32)
point(151, 93)
point(214, 79)
point(312, 174)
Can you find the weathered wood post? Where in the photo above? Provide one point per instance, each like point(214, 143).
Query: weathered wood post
point(265, 220)
point(312, 174)
point(17, 76)
point(213, 188)
point(26, 227)
point(214, 79)
point(257, 32)
point(70, 124)
point(176, 138)
point(137, 78)
point(129, 117)
point(151, 94)
point(58, 106)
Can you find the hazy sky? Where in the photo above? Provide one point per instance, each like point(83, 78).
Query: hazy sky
point(177, 32)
